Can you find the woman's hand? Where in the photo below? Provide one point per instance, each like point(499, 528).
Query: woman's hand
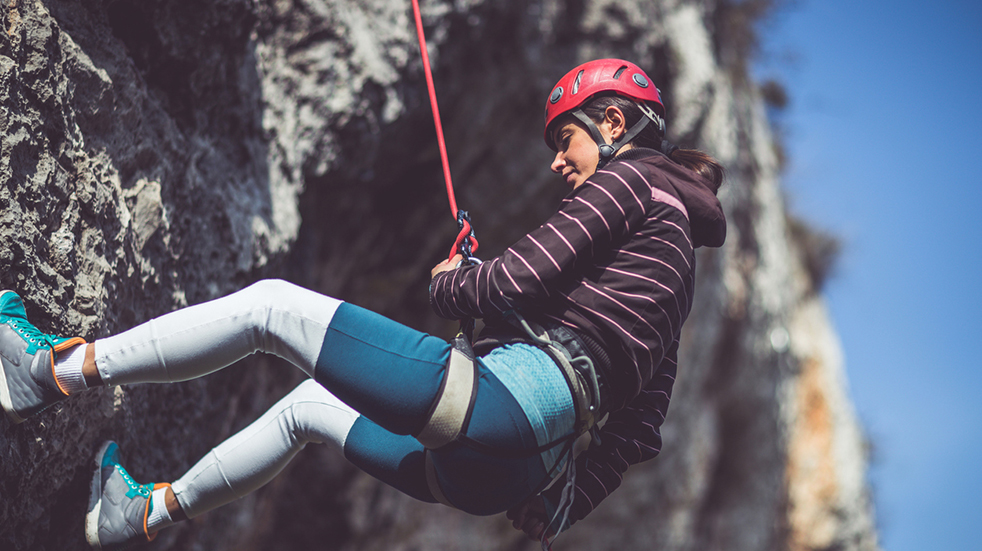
point(446, 265)
point(530, 517)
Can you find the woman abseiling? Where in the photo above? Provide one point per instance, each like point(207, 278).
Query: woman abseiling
point(582, 320)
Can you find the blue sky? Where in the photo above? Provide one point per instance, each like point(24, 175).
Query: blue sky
point(885, 141)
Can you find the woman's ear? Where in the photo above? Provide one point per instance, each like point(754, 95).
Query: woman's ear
point(614, 117)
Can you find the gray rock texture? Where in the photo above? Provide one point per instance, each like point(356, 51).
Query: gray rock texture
point(157, 154)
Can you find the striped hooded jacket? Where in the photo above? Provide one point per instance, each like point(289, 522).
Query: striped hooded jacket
point(617, 263)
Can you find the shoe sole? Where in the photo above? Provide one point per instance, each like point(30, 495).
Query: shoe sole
point(5, 400)
point(95, 500)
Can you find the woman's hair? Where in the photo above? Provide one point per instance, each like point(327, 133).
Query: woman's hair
point(693, 159)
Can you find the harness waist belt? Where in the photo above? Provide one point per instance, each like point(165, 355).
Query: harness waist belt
point(572, 346)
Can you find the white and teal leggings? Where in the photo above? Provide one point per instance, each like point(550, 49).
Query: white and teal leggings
point(373, 383)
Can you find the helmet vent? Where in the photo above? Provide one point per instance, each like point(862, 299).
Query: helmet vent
point(556, 94)
point(576, 83)
point(617, 75)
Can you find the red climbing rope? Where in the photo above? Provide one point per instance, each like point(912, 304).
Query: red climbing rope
point(461, 216)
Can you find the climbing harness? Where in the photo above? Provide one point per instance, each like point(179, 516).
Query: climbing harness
point(583, 364)
point(466, 243)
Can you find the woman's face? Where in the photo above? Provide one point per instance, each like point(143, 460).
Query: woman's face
point(577, 154)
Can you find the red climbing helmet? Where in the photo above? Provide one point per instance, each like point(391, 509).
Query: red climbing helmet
point(615, 76)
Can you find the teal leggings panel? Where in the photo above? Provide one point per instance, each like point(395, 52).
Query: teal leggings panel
point(381, 368)
point(391, 374)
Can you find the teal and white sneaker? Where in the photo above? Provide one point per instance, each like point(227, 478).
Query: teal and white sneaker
point(27, 361)
point(118, 506)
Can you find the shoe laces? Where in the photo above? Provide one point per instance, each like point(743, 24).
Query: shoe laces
point(135, 489)
point(30, 333)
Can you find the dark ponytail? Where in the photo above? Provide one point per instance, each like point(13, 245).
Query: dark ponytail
point(701, 163)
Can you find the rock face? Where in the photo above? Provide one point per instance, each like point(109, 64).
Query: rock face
point(158, 153)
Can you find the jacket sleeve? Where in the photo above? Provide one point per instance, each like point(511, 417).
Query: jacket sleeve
point(630, 436)
point(601, 213)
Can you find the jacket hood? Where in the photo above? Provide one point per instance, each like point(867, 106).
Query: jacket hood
point(707, 222)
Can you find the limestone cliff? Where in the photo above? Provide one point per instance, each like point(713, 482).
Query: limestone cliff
point(157, 154)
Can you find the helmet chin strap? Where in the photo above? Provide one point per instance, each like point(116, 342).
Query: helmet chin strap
point(609, 150)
